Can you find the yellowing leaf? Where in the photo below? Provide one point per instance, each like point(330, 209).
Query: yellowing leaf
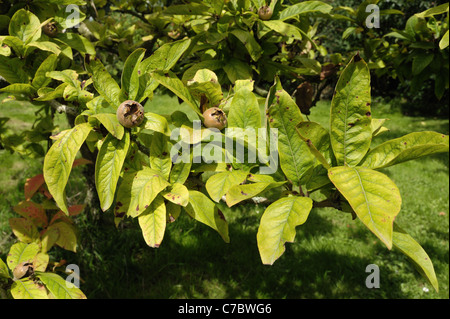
point(59, 159)
point(278, 224)
point(204, 210)
point(153, 222)
point(373, 196)
point(351, 131)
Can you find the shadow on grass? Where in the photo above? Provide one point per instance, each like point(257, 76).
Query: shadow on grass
point(194, 262)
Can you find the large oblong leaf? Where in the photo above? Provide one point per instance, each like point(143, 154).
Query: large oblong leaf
point(373, 196)
point(408, 246)
point(204, 210)
point(174, 84)
point(138, 190)
point(108, 166)
point(153, 222)
point(244, 110)
point(219, 184)
point(238, 193)
point(25, 25)
point(304, 7)
point(351, 132)
point(405, 148)
point(278, 224)
point(21, 252)
point(59, 287)
point(130, 74)
point(111, 123)
point(105, 85)
point(295, 157)
point(59, 159)
point(28, 289)
point(160, 154)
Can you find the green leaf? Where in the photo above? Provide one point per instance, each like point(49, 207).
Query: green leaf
point(244, 110)
point(252, 46)
point(77, 42)
point(16, 44)
point(46, 46)
point(278, 224)
point(408, 147)
point(283, 28)
point(40, 79)
point(205, 82)
point(443, 8)
point(238, 193)
point(108, 167)
point(187, 9)
point(304, 7)
point(59, 159)
point(24, 229)
point(130, 75)
point(21, 252)
point(237, 70)
point(28, 289)
point(25, 26)
point(421, 61)
point(204, 210)
point(317, 139)
point(11, 69)
point(105, 85)
point(408, 246)
point(67, 238)
point(156, 123)
point(160, 154)
point(171, 81)
point(444, 41)
point(165, 57)
point(180, 172)
point(351, 131)
point(219, 184)
point(373, 196)
point(19, 88)
point(138, 190)
point(111, 123)
point(4, 272)
point(177, 194)
point(153, 222)
point(59, 287)
point(284, 115)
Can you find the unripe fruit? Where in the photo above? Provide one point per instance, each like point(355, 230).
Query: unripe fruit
point(130, 114)
point(23, 269)
point(215, 117)
point(265, 13)
point(50, 29)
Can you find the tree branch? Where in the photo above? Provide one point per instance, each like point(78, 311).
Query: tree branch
point(61, 108)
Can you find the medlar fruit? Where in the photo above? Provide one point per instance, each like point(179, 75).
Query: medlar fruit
point(130, 114)
point(24, 269)
point(50, 29)
point(215, 117)
point(265, 13)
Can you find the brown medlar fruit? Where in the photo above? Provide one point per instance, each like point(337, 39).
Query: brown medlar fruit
point(130, 114)
point(265, 13)
point(215, 117)
point(50, 29)
point(24, 269)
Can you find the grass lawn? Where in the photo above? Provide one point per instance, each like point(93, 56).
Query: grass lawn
point(327, 260)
